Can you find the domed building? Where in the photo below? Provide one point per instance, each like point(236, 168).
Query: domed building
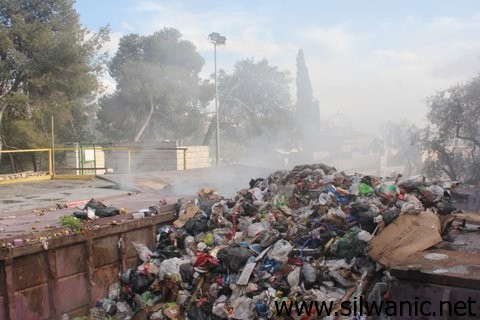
point(339, 125)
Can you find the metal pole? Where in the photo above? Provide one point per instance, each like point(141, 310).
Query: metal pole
point(217, 146)
point(184, 159)
point(50, 171)
point(53, 150)
point(129, 161)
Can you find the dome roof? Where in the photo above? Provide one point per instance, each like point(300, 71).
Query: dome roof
point(339, 120)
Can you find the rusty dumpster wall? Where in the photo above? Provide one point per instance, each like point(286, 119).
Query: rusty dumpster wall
point(407, 291)
point(73, 272)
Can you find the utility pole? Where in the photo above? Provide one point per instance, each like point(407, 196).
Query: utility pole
point(216, 39)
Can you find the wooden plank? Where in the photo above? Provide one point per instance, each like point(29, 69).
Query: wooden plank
point(53, 297)
point(262, 254)
point(9, 293)
point(470, 217)
point(457, 269)
point(245, 276)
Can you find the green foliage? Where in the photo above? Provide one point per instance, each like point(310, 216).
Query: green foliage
point(156, 75)
point(48, 66)
point(72, 222)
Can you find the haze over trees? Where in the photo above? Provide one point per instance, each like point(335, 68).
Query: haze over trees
point(451, 139)
point(400, 149)
point(48, 66)
point(256, 107)
point(307, 116)
point(159, 93)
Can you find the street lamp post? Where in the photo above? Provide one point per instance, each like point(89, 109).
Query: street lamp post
point(216, 39)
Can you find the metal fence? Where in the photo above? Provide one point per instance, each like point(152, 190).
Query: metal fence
point(86, 161)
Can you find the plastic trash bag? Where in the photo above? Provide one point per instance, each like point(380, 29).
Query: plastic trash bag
point(143, 251)
point(114, 291)
point(170, 266)
point(365, 190)
point(139, 282)
point(186, 271)
point(101, 210)
point(234, 258)
point(280, 251)
point(390, 215)
point(255, 228)
point(310, 274)
point(293, 277)
point(197, 224)
point(243, 308)
point(412, 205)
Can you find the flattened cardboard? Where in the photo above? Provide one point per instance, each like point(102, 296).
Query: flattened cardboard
point(183, 217)
point(407, 235)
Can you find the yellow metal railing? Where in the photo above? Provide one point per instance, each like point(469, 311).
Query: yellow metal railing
point(53, 169)
point(32, 178)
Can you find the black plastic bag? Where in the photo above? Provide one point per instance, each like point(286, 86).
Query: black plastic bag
point(139, 282)
point(444, 206)
point(101, 210)
point(106, 212)
point(234, 258)
point(196, 225)
point(186, 272)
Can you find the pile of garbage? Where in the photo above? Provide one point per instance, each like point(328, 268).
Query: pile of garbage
point(299, 235)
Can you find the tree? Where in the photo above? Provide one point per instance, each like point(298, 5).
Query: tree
point(48, 66)
point(254, 104)
point(451, 139)
point(307, 112)
point(159, 94)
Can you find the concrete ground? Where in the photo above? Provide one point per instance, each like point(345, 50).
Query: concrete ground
point(21, 197)
point(27, 209)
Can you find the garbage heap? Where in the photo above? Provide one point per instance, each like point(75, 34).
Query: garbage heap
point(299, 235)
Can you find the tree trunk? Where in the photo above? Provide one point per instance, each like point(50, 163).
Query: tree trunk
point(34, 163)
point(212, 126)
point(145, 124)
point(2, 110)
point(12, 163)
point(210, 131)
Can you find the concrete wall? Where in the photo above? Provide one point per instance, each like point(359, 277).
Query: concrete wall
point(90, 158)
point(73, 272)
point(155, 158)
point(196, 157)
point(163, 157)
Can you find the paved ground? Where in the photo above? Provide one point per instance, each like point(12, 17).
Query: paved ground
point(227, 180)
point(29, 208)
point(20, 197)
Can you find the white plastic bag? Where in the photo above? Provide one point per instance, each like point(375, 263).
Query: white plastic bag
point(143, 252)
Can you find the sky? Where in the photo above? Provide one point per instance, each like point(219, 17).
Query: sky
point(375, 61)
